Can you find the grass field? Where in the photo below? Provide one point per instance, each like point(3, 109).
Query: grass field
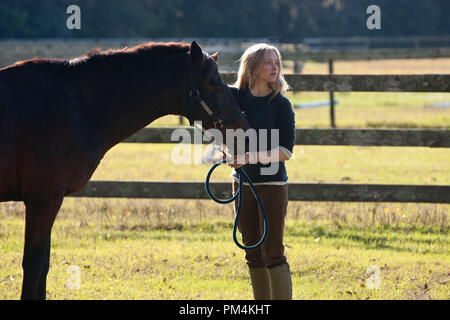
point(176, 249)
point(197, 260)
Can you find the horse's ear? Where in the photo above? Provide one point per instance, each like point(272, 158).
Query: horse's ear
point(215, 56)
point(197, 54)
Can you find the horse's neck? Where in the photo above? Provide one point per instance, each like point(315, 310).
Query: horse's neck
point(125, 103)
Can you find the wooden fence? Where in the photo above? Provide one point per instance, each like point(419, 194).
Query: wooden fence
point(434, 138)
point(411, 42)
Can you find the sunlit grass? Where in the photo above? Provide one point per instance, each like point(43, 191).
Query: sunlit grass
point(380, 66)
point(198, 261)
point(397, 165)
point(374, 110)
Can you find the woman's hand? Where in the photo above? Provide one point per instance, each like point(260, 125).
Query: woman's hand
point(265, 157)
point(237, 161)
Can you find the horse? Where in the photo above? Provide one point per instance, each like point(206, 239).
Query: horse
point(58, 118)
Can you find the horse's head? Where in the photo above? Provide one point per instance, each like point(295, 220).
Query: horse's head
point(210, 99)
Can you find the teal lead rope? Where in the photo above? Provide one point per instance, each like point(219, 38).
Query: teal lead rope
point(242, 175)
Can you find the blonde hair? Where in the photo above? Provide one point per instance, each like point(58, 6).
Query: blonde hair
point(251, 63)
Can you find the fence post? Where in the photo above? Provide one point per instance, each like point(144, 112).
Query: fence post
point(330, 70)
point(298, 66)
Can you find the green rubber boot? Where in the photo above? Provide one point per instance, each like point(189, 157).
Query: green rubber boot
point(260, 283)
point(280, 282)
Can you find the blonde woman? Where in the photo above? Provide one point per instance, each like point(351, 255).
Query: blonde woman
point(259, 91)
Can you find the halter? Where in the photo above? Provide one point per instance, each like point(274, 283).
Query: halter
point(194, 96)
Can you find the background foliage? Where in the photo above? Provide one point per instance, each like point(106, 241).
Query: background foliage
point(274, 19)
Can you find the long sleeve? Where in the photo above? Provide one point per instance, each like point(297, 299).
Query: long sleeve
point(286, 125)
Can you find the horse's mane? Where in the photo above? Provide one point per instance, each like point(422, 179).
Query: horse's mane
point(152, 50)
point(160, 50)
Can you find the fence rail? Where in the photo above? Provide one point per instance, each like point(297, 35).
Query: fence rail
point(371, 42)
point(433, 138)
point(297, 191)
point(346, 83)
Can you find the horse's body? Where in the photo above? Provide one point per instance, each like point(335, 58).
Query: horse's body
point(59, 117)
point(43, 129)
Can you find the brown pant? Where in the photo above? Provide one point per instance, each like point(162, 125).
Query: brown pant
point(251, 224)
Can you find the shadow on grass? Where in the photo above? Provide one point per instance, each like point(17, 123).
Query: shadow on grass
point(396, 239)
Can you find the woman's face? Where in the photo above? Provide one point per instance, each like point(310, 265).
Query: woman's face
point(270, 69)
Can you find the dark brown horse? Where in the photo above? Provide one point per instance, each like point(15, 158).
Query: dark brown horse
point(58, 118)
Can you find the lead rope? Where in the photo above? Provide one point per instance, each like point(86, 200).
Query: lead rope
point(242, 175)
